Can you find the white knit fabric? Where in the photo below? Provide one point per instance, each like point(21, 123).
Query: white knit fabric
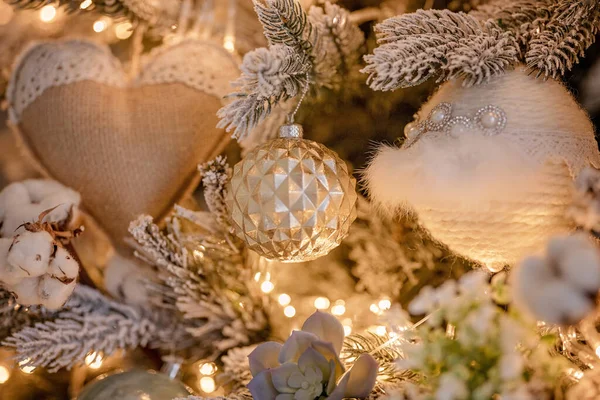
point(198, 64)
point(549, 139)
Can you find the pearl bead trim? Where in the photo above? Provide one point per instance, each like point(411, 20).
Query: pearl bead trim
point(491, 120)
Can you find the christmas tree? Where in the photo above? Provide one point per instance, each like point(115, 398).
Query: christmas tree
point(299, 199)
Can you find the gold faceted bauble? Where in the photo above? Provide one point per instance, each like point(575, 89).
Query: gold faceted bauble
point(292, 199)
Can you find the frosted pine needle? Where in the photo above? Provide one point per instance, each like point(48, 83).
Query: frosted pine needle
point(91, 322)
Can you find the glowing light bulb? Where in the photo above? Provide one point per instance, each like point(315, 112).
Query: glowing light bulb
point(208, 368)
point(207, 384)
point(85, 4)
point(284, 299)
point(289, 311)
point(229, 43)
point(94, 360)
point(48, 13)
point(385, 304)
point(28, 369)
point(347, 330)
point(267, 286)
point(100, 26)
point(322, 303)
point(338, 309)
point(4, 374)
point(257, 276)
point(123, 31)
point(374, 308)
point(598, 351)
point(380, 330)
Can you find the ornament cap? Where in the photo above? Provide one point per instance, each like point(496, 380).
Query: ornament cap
point(291, 131)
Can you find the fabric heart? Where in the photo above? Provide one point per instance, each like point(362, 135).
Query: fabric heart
point(129, 146)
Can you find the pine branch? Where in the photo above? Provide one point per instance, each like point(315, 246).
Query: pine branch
point(14, 317)
point(215, 176)
point(91, 322)
point(557, 47)
point(385, 354)
point(286, 23)
point(313, 48)
point(204, 276)
point(269, 76)
point(426, 44)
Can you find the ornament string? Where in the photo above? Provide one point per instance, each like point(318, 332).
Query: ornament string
point(137, 47)
point(292, 115)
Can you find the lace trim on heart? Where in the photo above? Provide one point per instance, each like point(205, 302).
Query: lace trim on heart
point(46, 65)
point(203, 66)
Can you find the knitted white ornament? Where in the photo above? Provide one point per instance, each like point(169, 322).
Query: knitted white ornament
point(490, 194)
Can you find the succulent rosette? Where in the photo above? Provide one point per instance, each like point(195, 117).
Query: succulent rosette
point(307, 366)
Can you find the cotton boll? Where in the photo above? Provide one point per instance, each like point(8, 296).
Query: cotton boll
point(8, 273)
point(578, 261)
point(63, 266)
point(26, 291)
point(13, 195)
point(14, 220)
point(53, 293)
point(30, 252)
point(124, 279)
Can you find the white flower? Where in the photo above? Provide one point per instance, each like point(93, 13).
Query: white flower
point(424, 302)
point(307, 365)
point(511, 366)
point(451, 388)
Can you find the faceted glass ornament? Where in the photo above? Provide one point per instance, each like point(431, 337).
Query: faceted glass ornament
point(134, 385)
point(292, 200)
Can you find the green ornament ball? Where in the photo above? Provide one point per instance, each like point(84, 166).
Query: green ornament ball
point(134, 385)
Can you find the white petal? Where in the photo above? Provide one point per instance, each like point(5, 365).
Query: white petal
point(296, 344)
point(264, 357)
point(261, 387)
point(54, 293)
point(282, 374)
point(327, 328)
point(360, 379)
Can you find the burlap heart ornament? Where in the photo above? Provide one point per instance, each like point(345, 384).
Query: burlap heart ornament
point(128, 145)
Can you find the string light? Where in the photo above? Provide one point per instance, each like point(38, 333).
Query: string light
point(322, 303)
point(374, 308)
point(284, 299)
point(208, 368)
point(94, 360)
point(28, 369)
point(267, 286)
point(207, 384)
point(380, 330)
point(347, 330)
point(289, 311)
point(123, 31)
point(257, 276)
point(338, 309)
point(48, 13)
point(4, 374)
point(85, 4)
point(385, 304)
point(229, 43)
point(100, 26)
